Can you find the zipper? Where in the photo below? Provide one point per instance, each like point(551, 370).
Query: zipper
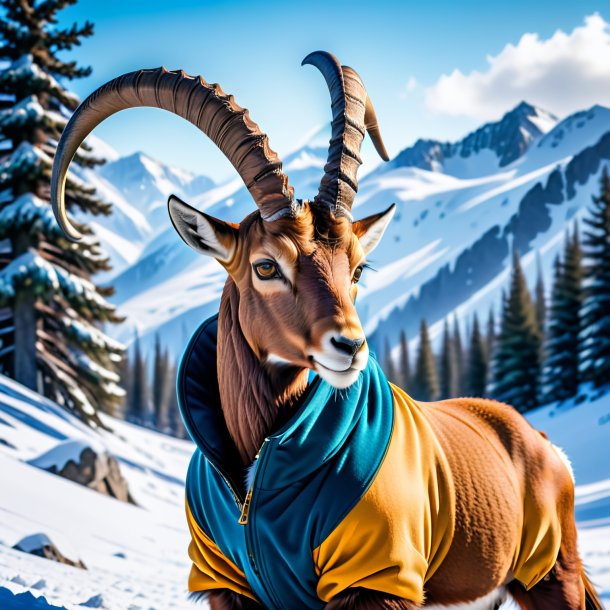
point(249, 522)
point(238, 500)
point(245, 509)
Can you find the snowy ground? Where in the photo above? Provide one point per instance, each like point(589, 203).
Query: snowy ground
point(136, 555)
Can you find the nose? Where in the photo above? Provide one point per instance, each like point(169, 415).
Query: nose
point(345, 345)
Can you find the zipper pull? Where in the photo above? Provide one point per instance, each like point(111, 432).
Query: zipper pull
point(243, 519)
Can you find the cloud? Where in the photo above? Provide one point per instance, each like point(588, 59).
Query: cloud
point(564, 73)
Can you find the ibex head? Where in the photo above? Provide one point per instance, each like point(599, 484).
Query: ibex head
point(295, 263)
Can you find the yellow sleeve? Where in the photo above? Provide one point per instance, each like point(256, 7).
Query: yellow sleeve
point(394, 538)
point(211, 569)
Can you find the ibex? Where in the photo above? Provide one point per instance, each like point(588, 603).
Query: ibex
point(334, 490)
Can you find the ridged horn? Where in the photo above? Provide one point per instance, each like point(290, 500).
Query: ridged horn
point(353, 116)
point(204, 105)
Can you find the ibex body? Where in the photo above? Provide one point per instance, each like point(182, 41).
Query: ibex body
point(360, 496)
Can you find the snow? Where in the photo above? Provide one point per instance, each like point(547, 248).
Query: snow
point(24, 68)
point(28, 209)
point(31, 265)
point(26, 109)
point(59, 455)
point(135, 555)
point(32, 543)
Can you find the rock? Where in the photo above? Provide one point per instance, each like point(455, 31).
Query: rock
point(97, 601)
point(94, 468)
point(41, 546)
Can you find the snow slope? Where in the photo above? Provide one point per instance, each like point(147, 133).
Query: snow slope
point(136, 555)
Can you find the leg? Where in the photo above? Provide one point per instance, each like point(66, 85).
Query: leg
point(563, 587)
point(365, 599)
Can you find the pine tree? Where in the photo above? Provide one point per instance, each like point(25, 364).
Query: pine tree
point(388, 363)
point(561, 371)
point(490, 337)
point(595, 353)
point(125, 384)
point(404, 365)
point(425, 386)
point(138, 399)
point(160, 389)
point(540, 297)
point(477, 362)
point(176, 424)
point(448, 366)
point(516, 368)
point(460, 359)
point(54, 344)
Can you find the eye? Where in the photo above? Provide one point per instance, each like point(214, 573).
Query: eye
point(267, 270)
point(357, 274)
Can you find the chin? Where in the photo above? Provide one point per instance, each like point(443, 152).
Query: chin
point(339, 379)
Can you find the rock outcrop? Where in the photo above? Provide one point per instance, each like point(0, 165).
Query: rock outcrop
point(79, 462)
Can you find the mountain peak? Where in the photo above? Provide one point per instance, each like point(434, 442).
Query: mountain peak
point(508, 139)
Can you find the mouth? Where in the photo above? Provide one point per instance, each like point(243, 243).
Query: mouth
point(338, 378)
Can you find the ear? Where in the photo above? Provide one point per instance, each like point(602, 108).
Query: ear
point(370, 230)
point(202, 232)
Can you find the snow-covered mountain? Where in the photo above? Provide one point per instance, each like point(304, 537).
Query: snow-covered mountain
point(485, 150)
point(461, 208)
point(138, 187)
point(136, 555)
point(449, 247)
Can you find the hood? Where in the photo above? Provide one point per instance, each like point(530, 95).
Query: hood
point(326, 420)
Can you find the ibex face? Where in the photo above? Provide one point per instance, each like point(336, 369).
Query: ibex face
point(295, 263)
point(297, 281)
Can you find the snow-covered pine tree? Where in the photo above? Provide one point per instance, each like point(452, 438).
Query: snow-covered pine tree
point(447, 366)
point(52, 340)
point(516, 365)
point(425, 384)
point(404, 367)
point(595, 353)
point(477, 362)
point(561, 366)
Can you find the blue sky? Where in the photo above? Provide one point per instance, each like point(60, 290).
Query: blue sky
point(406, 52)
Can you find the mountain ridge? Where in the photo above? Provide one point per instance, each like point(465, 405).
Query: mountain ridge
point(509, 138)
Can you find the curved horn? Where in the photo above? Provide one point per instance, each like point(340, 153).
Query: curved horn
point(207, 107)
point(353, 113)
